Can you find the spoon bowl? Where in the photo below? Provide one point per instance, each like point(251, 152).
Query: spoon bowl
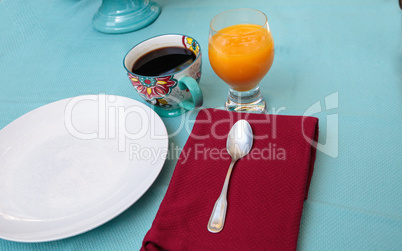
point(240, 140)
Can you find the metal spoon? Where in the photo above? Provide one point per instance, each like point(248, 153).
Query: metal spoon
point(238, 145)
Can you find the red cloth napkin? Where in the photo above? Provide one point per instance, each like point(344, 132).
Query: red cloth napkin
point(266, 190)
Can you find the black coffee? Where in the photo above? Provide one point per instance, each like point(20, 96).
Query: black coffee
point(163, 61)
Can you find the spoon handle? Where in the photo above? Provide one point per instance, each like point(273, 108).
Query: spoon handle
point(217, 219)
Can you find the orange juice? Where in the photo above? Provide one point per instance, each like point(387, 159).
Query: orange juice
point(241, 55)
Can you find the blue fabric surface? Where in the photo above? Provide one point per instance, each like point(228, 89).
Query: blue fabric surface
point(350, 49)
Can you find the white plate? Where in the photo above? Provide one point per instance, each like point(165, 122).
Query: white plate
point(72, 165)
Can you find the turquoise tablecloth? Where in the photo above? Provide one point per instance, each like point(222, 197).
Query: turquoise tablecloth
point(341, 60)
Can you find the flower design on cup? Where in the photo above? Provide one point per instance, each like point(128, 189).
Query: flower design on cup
point(195, 71)
point(153, 87)
point(190, 44)
point(159, 102)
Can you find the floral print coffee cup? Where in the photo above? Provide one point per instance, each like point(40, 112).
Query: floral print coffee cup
point(166, 70)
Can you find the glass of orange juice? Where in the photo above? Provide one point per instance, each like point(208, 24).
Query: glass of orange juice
point(241, 52)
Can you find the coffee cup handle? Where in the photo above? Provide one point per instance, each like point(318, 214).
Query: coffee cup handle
point(195, 90)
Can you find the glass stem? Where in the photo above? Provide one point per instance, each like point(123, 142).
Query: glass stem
point(248, 101)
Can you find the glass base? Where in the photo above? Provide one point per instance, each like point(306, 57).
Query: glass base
point(248, 101)
point(121, 16)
